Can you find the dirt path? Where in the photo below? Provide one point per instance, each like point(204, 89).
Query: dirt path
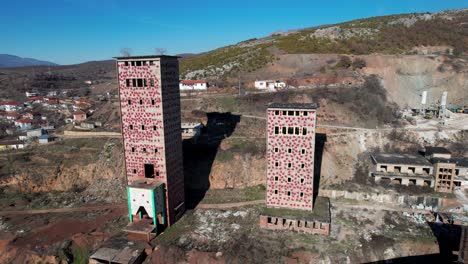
point(229, 205)
point(380, 207)
point(64, 210)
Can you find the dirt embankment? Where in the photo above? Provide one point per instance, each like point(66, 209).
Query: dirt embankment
point(91, 167)
point(406, 77)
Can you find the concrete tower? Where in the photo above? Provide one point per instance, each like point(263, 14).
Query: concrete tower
point(290, 155)
point(150, 109)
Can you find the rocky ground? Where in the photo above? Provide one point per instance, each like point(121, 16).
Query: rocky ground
point(233, 236)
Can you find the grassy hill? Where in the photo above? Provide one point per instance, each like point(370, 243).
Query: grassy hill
point(396, 34)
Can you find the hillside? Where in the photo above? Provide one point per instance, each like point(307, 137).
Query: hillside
point(7, 61)
point(396, 34)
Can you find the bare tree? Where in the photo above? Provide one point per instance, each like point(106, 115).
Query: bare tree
point(126, 52)
point(160, 51)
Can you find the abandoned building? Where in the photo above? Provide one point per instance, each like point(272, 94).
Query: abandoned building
point(150, 109)
point(290, 170)
point(436, 169)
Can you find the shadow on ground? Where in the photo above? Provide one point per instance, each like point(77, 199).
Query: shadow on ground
point(200, 153)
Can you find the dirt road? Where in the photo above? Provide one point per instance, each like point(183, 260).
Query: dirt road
point(229, 205)
point(64, 210)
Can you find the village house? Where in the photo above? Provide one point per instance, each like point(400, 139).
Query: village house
point(51, 102)
point(189, 85)
point(34, 133)
point(35, 99)
point(11, 106)
point(191, 129)
point(31, 94)
point(12, 144)
point(80, 106)
point(269, 85)
point(79, 115)
point(12, 116)
point(32, 115)
point(436, 169)
point(24, 123)
point(44, 139)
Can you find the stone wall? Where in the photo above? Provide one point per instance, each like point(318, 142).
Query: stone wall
point(419, 202)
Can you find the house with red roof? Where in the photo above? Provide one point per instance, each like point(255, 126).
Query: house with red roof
point(35, 99)
point(80, 106)
point(32, 115)
point(11, 116)
point(190, 85)
point(24, 123)
point(79, 115)
point(51, 102)
point(11, 106)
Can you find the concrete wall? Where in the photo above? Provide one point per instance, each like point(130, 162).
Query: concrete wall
point(405, 168)
point(423, 202)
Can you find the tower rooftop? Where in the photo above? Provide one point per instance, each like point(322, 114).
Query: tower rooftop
point(145, 57)
point(293, 106)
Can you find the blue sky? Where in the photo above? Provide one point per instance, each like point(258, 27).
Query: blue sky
point(74, 31)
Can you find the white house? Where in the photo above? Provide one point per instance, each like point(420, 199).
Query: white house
point(269, 85)
point(193, 85)
point(11, 106)
point(31, 94)
point(191, 129)
point(24, 123)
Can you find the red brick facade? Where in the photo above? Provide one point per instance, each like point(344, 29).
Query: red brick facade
point(150, 109)
point(290, 156)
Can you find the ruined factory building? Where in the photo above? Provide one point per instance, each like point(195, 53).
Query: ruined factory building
point(436, 169)
point(150, 110)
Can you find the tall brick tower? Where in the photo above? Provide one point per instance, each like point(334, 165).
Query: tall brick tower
point(290, 155)
point(150, 109)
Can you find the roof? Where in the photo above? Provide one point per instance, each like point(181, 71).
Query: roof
point(78, 112)
point(436, 150)
point(11, 142)
point(193, 81)
point(190, 125)
point(11, 103)
point(460, 162)
point(141, 184)
point(35, 98)
point(12, 114)
point(145, 57)
point(293, 106)
point(24, 120)
point(396, 158)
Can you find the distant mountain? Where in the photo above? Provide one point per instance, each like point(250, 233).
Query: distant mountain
point(7, 61)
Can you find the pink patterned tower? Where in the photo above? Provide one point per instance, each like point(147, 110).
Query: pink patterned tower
point(290, 155)
point(150, 108)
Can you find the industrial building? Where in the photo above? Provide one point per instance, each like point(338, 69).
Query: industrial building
point(436, 169)
point(290, 171)
point(150, 109)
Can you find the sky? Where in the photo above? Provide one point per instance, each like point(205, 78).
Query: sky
point(75, 31)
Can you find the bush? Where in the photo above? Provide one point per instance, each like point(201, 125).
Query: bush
point(344, 62)
point(359, 63)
